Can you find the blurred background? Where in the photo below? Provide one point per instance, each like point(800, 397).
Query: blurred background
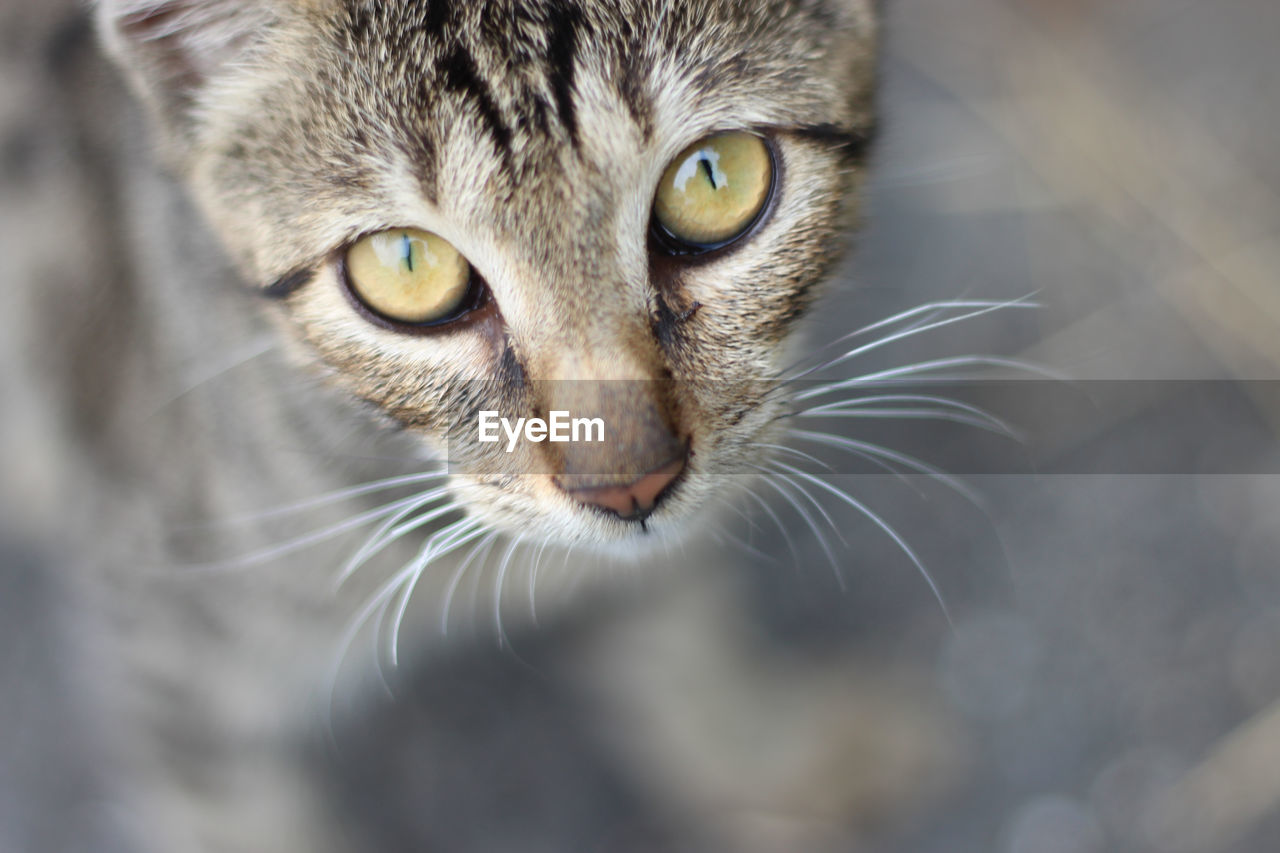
point(1110, 676)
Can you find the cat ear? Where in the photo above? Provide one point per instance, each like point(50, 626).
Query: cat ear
point(172, 48)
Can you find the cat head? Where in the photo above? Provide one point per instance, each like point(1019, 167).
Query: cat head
point(613, 209)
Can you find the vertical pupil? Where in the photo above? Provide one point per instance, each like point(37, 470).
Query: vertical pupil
point(406, 251)
point(709, 168)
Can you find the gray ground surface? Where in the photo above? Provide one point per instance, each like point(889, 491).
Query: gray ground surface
point(1112, 678)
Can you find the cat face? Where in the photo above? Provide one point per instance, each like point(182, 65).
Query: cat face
point(516, 208)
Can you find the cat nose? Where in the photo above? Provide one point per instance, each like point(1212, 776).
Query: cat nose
point(633, 501)
point(638, 451)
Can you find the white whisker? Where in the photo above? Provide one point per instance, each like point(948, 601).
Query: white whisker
point(446, 605)
point(782, 528)
point(394, 529)
point(748, 547)
point(574, 577)
point(922, 314)
point(893, 374)
point(874, 459)
point(872, 452)
point(533, 583)
point(822, 510)
point(253, 350)
point(377, 603)
point(884, 526)
point(328, 498)
point(451, 538)
point(516, 541)
point(377, 606)
point(986, 308)
point(853, 406)
point(808, 519)
point(918, 415)
point(919, 315)
point(793, 451)
point(306, 540)
point(721, 500)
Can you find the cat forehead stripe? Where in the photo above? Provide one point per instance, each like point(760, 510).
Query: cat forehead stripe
point(562, 49)
point(461, 76)
point(512, 70)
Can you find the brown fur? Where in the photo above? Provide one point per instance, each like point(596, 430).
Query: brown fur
point(297, 127)
point(531, 135)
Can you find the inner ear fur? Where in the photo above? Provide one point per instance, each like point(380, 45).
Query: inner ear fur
point(172, 49)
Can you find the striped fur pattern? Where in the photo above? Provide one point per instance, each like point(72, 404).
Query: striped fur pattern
point(531, 135)
point(528, 133)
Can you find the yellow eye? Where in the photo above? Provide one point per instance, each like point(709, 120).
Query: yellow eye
point(409, 276)
point(714, 190)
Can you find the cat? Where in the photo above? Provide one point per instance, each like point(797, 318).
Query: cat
point(529, 143)
point(410, 213)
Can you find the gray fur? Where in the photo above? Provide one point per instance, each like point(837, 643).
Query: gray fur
point(530, 134)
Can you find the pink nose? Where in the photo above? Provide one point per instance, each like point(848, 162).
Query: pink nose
point(635, 501)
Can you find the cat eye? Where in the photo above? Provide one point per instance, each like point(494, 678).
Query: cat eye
point(713, 192)
point(410, 277)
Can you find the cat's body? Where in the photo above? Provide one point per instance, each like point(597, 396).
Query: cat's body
point(531, 136)
point(191, 693)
